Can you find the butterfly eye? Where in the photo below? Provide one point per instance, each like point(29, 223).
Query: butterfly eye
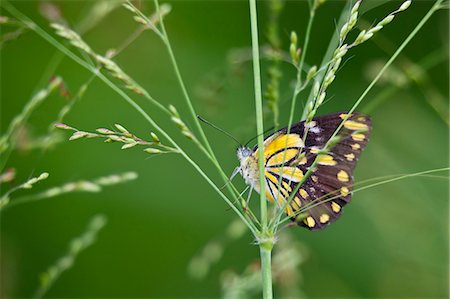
point(243, 152)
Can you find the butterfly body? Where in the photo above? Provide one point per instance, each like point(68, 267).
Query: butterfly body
point(288, 157)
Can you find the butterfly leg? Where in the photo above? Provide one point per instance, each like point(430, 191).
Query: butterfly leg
point(235, 172)
point(248, 197)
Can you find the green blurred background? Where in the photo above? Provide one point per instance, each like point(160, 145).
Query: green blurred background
point(392, 241)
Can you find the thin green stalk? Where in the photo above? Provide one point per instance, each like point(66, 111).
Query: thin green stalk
point(298, 88)
point(266, 261)
point(266, 241)
point(258, 107)
point(381, 180)
point(298, 85)
point(102, 77)
point(396, 178)
point(208, 150)
point(312, 14)
point(181, 83)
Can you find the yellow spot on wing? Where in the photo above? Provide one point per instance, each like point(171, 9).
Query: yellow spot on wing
point(326, 160)
point(276, 195)
point(358, 136)
point(294, 205)
point(300, 160)
point(303, 193)
point(324, 218)
point(342, 176)
point(286, 186)
point(281, 157)
point(342, 116)
point(292, 174)
point(335, 207)
point(271, 177)
point(303, 160)
point(314, 150)
point(297, 201)
point(310, 221)
point(356, 146)
point(268, 194)
point(350, 157)
point(354, 125)
point(289, 211)
point(344, 191)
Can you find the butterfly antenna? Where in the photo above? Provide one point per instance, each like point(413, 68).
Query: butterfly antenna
point(219, 129)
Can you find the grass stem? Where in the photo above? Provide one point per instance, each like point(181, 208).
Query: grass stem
point(266, 260)
point(265, 243)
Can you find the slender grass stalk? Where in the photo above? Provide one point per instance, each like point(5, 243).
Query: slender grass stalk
point(210, 153)
point(266, 272)
point(181, 82)
point(258, 108)
point(383, 180)
point(298, 84)
point(312, 14)
point(318, 201)
point(266, 240)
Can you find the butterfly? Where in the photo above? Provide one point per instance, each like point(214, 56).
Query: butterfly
point(320, 199)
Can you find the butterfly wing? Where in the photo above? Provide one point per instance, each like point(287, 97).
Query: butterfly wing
point(322, 196)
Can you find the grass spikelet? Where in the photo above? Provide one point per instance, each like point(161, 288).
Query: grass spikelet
point(7, 140)
point(73, 37)
point(122, 135)
point(5, 199)
point(104, 61)
point(181, 125)
point(8, 175)
point(89, 186)
point(152, 21)
point(76, 247)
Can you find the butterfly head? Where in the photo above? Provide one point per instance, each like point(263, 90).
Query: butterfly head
point(244, 152)
point(249, 166)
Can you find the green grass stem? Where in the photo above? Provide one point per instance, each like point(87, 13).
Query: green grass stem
point(266, 242)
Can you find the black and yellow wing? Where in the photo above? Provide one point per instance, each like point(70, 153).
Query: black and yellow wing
point(320, 199)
